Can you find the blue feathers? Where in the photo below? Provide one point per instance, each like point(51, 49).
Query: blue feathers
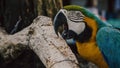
point(108, 40)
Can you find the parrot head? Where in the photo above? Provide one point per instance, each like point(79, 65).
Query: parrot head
point(69, 22)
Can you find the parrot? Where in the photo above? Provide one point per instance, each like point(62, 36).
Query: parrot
point(96, 41)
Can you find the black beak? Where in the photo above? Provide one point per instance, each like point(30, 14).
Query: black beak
point(59, 20)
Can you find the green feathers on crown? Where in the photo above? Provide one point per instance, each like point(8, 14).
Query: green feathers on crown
point(82, 9)
point(88, 14)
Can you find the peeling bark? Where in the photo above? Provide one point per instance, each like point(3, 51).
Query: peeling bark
point(40, 37)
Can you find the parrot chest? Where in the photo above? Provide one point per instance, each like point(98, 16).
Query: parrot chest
point(91, 52)
point(87, 50)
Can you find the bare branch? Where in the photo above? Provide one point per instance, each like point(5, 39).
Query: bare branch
point(41, 38)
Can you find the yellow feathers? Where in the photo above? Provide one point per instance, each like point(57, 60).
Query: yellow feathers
point(92, 23)
point(89, 50)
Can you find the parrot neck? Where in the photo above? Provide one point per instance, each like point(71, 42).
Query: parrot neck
point(85, 35)
point(90, 31)
point(91, 52)
point(89, 49)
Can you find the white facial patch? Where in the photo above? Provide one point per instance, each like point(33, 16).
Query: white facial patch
point(79, 26)
point(76, 27)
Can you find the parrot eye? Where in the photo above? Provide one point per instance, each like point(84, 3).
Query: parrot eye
point(75, 16)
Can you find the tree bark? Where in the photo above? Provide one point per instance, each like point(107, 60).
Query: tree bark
point(40, 37)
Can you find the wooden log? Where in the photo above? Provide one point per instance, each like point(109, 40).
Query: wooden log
point(41, 38)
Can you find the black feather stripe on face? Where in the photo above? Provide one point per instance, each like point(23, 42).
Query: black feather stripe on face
point(85, 35)
point(82, 37)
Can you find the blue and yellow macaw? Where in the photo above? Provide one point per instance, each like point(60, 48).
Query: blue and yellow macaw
point(96, 41)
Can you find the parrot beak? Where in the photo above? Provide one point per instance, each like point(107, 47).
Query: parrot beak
point(59, 22)
point(61, 25)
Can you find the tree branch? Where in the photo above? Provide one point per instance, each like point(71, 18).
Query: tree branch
point(40, 37)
